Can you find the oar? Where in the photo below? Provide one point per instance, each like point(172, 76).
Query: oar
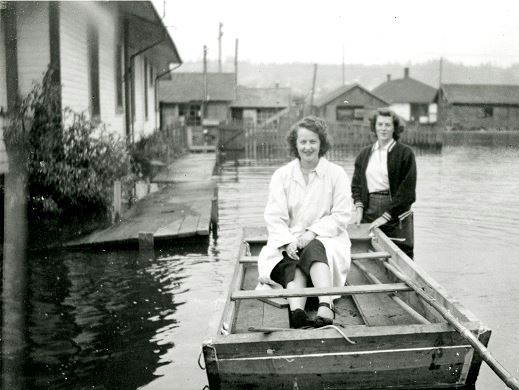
point(505, 376)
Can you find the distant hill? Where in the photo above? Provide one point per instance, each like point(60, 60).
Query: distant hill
point(298, 76)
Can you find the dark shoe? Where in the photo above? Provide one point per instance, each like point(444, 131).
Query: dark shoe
point(298, 318)
point(319, 321)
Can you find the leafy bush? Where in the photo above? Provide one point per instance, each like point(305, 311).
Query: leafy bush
point(161, 145)
point(70, 168)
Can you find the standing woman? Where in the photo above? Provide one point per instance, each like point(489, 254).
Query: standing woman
point(384, 182)
point(308, 209)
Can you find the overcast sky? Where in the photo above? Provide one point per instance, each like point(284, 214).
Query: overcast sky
point(372, 31)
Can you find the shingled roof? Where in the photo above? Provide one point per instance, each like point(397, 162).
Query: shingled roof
point(481, 93)
point(189, 87)
point(405, 90)
point(262, 97)
point(321, 101)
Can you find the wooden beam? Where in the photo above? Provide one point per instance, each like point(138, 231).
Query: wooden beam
point(354, 256)
point(314, 292)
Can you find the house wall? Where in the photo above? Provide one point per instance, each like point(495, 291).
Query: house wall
point(402, 110)
point(75, 74)
point(355, 97)
point(33, 43)
point(169, 115)
point(3, 86)
point(142, 125)
point(217, 110)
point(472, 117)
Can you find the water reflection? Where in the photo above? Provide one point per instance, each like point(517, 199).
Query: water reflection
point(95, 316)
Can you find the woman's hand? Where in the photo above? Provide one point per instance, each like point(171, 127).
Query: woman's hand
point(305, 239)
point(377, 223)
point(292, 250)
point(359, 211)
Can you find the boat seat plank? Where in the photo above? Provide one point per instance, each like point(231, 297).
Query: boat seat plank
point(377, 309)
point(354, 256)
point(312, 292)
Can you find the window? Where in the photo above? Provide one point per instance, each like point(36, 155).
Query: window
point(151, 76)
point(93, 70)
point(349, 113)
point(192, 114)
point(264, 114)
point(119, 77)
point(488, 112)
point(145, 79)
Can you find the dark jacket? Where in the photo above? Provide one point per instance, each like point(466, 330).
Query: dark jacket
point(401, 169)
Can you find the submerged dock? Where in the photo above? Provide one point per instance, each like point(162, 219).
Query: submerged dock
point(184, 206)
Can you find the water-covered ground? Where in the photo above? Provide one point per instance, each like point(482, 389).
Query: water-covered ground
point(124, 320)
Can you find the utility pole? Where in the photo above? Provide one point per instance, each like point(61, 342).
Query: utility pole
point(204, 100)
point(220, 34)
point(313, 90)
point(441, 71)
point(343, 81)
point(236, 65)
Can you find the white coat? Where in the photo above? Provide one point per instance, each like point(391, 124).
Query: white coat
point(323, 206)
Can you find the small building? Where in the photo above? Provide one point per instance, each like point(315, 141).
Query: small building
point(198, 100)
point(106, 58)
point(187, 95)
point(258, 105)
point(478, 106)
point(409, 98)
point(349, 103)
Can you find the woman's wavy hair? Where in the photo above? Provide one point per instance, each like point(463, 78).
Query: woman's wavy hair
point(398, 126)
point(314, 124)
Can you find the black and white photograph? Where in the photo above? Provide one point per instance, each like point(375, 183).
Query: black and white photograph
point(257, 195)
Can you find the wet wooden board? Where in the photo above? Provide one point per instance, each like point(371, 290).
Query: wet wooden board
point(255, 313)
point(376, 309)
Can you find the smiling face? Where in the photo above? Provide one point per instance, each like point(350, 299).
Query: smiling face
point(308, 145)
point(384, 129)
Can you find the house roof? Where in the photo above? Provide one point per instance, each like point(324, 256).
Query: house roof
point(148, 35)
point(323, 100)
point(405, 90)
point(262, 97)
point(481, 93)
point(188, 87)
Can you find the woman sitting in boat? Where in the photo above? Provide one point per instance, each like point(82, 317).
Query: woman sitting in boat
point(384, 182)
point(308, 209)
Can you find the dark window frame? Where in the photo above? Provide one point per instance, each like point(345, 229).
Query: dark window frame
point(119, 93)
point(145, 83)
point(350, 109)
point(488, 111)
point(93, 71)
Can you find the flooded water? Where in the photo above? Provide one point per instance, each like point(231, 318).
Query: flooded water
point(123, 320)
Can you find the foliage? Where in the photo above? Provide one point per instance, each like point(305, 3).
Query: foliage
point(70, 168)
point(160, 145)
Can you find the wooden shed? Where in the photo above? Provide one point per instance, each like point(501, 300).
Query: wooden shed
point(411, 99)
point(348, 103)
point(187, 95)
point(260, 104)
point(478, 106)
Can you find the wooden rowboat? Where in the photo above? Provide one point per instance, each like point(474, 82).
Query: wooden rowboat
point(386, 336)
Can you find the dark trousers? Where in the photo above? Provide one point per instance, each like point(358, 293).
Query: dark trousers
point(378, 204)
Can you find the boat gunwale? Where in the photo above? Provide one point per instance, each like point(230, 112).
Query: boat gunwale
point(352, 331)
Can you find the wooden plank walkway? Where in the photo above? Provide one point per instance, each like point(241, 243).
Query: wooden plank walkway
point(181, 208)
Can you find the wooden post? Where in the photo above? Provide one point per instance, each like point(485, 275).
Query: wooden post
point(220, 33)
point(146, 241)
point(117, 201)
point(313, 90)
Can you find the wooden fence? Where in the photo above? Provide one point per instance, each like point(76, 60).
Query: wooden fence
point(269, 142)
